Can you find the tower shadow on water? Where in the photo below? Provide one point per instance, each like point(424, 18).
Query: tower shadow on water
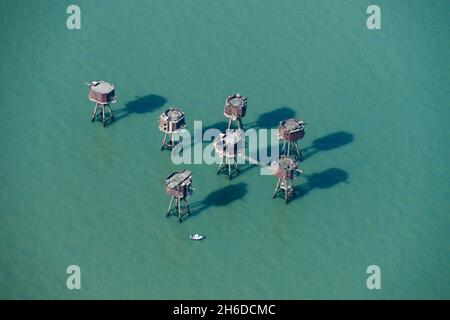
point(140, 105)
point(272, 118)
point(220, 198)
point(328, 142)
point(221, 126)
point(322, 180)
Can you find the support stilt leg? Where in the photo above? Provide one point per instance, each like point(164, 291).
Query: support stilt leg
point(240, 125)
point(164, 141)
point(298, 151)
point(179, 210)
point(110, 113)
point(276, 188)
point(172, 142)
point(95, 112)
point(103, 115)
point(220, 165)
point(187, 207)
point(170, 206)
point(286, 190)
point(293, 189)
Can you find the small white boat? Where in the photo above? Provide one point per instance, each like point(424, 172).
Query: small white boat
point(196, 237)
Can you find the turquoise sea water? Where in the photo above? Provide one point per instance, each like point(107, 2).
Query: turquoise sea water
point(375, 185)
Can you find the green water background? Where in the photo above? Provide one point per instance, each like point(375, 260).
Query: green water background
point(375, 189)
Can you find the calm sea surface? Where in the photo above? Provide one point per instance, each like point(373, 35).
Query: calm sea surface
point(375, 188)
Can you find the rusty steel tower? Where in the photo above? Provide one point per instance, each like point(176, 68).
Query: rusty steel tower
point(179, 187)
point(235, 109)
point(286, 169)
point(291, 131)
point(171, 122)
point(229, 146)
point(103, 94)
